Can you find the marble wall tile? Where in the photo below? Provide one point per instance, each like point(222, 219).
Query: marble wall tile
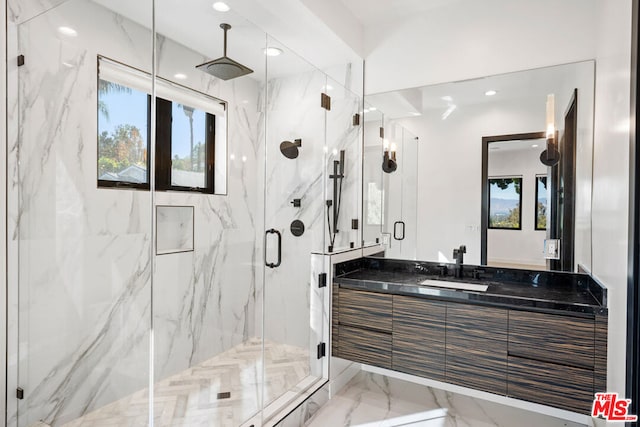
point(81, 257)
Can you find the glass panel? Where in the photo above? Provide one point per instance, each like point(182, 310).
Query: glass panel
point(188, 142)
point(505, 201)
point(207, 302)
point(295, 197)
point(372, 176)
point(344, 149)
point(80, 255)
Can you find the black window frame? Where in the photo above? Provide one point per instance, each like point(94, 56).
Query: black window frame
point(535, 217)
point(497, 178)
point(163, 159)
point(164, 119)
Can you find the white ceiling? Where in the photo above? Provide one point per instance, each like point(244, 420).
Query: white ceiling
point(372, 13)
point(195, 24)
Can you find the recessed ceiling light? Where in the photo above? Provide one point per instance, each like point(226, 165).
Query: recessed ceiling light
point(490, 92)
point(372, 108)
point(447, 98)
point(67, 31)
point(244, 159)
point(180, 76)
point(534, 146)
point(328, 87)
point(272, 51)
point(413, 113)
point(221, 6)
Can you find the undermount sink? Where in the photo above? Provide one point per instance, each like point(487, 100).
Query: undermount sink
point(462, 286)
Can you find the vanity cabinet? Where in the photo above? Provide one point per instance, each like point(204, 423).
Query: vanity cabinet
point(553, 359)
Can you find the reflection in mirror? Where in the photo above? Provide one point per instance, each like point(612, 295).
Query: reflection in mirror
point(372, 177)
point(450, 121)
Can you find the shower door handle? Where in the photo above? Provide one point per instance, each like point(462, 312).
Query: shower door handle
point(266, 234)
point(395, 230)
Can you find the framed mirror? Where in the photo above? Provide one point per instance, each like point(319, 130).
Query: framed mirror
point(455, 124)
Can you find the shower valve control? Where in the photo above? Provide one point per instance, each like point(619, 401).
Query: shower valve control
point(296, 203)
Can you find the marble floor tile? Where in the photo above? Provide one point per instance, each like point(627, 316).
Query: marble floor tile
point(371, 399)
point(190, 398)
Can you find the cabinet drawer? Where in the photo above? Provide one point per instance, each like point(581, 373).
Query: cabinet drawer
point(366, 309)
point(365, 346)
point(418, 337)
point(561, 386)
point(552, 338)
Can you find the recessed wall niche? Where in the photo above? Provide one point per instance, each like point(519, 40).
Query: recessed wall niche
point(174, 229)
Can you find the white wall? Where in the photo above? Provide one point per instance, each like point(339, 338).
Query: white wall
point(3, 211)
point(469, 38)
point(528, 241)
point(611, 174)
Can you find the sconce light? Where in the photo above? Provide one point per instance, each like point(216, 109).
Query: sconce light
point(550, 156)
point(389, 163)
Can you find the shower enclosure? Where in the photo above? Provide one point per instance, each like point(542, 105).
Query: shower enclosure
point(155, 277)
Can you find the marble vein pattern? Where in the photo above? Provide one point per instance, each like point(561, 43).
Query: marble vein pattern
point(80, 257)
point(373, 398)
point(190, 398)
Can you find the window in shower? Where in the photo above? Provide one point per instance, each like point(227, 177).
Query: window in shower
point(185, 148)
point(190, 132)
point(123, 135)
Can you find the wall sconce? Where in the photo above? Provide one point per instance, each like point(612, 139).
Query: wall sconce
point(389, 163)
point(550, 156)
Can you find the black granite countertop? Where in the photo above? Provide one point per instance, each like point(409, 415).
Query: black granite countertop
point(525, 289)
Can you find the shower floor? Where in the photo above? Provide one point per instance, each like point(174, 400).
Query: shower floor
point(190, 398)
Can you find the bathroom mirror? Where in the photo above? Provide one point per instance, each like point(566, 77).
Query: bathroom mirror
point(446, 183)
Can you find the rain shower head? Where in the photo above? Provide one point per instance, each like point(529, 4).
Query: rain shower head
point(225, 68)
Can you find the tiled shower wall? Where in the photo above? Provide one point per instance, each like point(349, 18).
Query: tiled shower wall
point(80, 257)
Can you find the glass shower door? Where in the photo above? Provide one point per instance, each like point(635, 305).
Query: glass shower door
point(80, 253)
point(294, 207)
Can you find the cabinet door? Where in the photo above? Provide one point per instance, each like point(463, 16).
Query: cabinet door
point(418, 337)
point(476, 347)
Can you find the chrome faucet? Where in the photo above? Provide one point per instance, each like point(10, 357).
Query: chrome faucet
point(458, 254)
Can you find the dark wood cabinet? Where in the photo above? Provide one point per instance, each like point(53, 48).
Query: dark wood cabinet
point(361, 324)
point(365, 346)
point(476, 347)
point(550, 384)
point(419, 337)
point(553, 359)
point(553, 338)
